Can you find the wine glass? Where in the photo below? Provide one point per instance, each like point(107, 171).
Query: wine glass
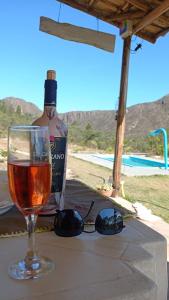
point(29, 178)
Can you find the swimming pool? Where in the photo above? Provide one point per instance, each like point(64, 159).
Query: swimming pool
point(133, 161)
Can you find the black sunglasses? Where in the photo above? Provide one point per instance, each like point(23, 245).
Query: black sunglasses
point(69, 222)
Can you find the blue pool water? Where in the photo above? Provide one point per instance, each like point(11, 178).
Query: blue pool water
point(133, 161)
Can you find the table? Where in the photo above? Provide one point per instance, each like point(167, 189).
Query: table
point(130, 265)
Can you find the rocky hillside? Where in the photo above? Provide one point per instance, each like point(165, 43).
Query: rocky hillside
point(103, 120)
point(26, 107)
point(140, 118)
point(16, 111)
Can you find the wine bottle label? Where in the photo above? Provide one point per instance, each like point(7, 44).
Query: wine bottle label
point(58, 152)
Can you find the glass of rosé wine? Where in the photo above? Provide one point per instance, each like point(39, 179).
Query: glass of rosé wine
point(29, 178)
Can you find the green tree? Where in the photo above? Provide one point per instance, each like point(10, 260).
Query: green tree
point(3, 107)
point(18, 110)
point(89, 134)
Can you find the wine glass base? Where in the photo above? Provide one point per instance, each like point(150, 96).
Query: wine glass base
point(38, 268)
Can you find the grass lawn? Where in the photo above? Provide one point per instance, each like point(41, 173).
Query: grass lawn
point(152, 191)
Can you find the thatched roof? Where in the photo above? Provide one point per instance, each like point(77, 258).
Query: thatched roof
point(150, 18)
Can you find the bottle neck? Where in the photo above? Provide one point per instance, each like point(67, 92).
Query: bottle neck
point(50, 92)
point(50, 111)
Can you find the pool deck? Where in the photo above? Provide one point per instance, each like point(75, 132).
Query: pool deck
point(97, 158)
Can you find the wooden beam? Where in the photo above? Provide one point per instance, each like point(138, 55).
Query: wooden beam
point(150, 17)
point(164, 21)
point(121, 117)
point(139, 4)
point(109, 3)
point(125, 6)
point(147, 37)
point(125, 16)
point(91, 2)
point(163, 32)
point(94, 13)
point(75, 5)
point(83, 8)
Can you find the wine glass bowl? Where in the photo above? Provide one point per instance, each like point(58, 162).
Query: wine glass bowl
point(29, 184)
point(29, 178)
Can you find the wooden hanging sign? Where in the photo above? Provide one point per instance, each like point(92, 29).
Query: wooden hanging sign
point(98, 39)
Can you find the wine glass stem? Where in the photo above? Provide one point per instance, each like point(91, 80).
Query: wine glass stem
point(32, 251)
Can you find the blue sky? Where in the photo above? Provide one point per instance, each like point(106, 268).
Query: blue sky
point(88, 78)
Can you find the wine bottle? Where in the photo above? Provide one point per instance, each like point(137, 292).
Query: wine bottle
point(58, 140)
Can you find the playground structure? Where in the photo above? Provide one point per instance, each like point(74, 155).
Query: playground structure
point(165, 138)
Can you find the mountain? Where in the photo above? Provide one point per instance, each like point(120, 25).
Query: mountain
point(26, 107)
point(140, 118)
point(103, 120)
point(16, 111)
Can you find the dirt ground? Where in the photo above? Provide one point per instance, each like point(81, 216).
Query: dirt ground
point(3, 143)
point(90, 174)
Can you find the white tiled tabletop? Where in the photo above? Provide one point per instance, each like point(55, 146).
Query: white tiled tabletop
point(131, 265)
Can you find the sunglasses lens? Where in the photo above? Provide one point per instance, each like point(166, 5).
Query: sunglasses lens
point(109, 221)
point(68, 222)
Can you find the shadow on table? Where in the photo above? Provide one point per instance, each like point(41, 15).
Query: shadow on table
point(78, 196)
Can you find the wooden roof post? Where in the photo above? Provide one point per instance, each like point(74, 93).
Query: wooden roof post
point(120, 129)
